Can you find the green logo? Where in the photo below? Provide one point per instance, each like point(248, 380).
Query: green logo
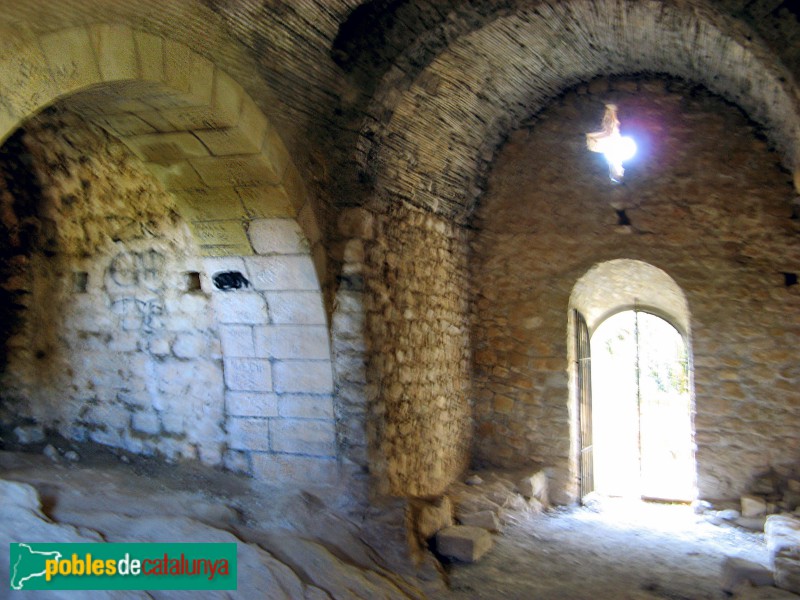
point(122, 566)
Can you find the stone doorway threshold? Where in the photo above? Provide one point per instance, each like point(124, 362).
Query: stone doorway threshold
point(614, 549)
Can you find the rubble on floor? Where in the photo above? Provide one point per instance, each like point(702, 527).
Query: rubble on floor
point(773, 506)
point(782, 533)
point(458, 524)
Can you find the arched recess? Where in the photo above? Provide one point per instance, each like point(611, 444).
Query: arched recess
point(208, 144)
point(486, 82)
point(608, 288)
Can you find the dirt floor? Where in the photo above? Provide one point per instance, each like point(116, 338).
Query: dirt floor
point(616, 550)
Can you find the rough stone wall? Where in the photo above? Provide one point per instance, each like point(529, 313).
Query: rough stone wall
point(416, 386)
point(124, 333)
point(705, 201)
point(114, 342)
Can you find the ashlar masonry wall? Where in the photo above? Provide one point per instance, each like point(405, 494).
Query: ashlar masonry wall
point(706, 202)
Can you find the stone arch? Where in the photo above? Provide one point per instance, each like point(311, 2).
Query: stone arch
point(620, 284)
point(611, 287)
point(202, 136)
point(473, 98)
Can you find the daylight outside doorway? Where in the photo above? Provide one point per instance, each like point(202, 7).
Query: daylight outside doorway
point(641, 413)
point(631, 383)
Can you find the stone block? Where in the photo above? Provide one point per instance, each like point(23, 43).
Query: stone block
point(782, 534)
point(303, 376)
point(237, 341)
point(230, 140)
point(146, 422)
point(485, 519)
point(237, 461)
point(753, 506)
point(214, 204)
point(251, 404)
point(296, 308)
point(188, 72)
point(248, 374)
point(463, 543)
point(751, 523)
point(293, 469)
point(165, 147)
point(736, 571)
point(534, 486)
point(115, 51)
point(71, 58)
point(787, 570)
point(237, 307)
point(189, 345)
point(307, 219)
point(248, 434)
point(238, 170)
point(175, 175)
point(434, 516)
point(292, 341)
point(277, 236)
point(221, 238)
point(227, 97)
point(173, 422)
point(29, 434)
point(282, 272)
point(304, 406)
point(253, 123)
point(275, 152)
point(266, 202)
point(150, 52)
point(304, 436)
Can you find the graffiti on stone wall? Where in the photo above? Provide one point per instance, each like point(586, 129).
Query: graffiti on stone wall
point(140, 315)
point(134, 269)
point(139, 276)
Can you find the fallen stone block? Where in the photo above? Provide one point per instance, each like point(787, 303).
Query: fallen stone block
point(787, 570)
point(782, 534)
point(751, 523)
point(747, 591)
point(534, 486)
point(29, 434)
point(433, 516)
point(736, 571)
point(473, 480)
point(753, 506)
point(463, 543)
point(485, 519)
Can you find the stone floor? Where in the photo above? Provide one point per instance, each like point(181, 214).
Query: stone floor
point(615, 550)
point(304, 545)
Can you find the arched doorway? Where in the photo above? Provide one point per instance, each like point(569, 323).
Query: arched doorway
point(641, 417)
point(631, 384)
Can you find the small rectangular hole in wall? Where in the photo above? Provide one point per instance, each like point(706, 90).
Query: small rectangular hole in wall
point(789, 279)
point(80, 281)
point(193, 281)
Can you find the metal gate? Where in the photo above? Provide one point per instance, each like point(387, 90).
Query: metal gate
point(584, 379)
